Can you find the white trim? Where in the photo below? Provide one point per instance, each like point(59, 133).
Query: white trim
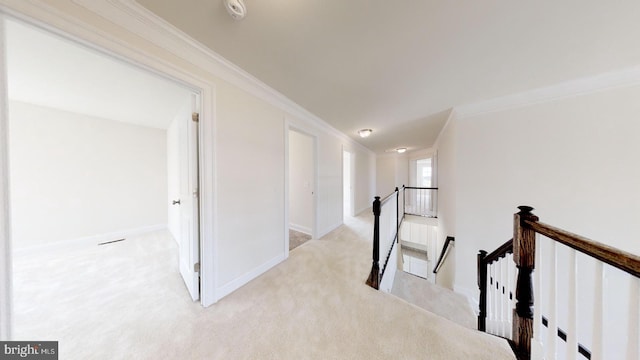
point(300, 228)
point(139, 20)
point(5, 219)
point(289, 126)
point(587, 85)
point(235, 284)
point(87, 240)
point(208, 196)
point(452, 116)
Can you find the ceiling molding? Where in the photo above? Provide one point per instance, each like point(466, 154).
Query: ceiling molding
point(583, 86)
point(137, 19)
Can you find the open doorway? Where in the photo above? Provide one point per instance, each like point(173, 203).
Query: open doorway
point(89, 181)
point(302, 185)
point(347, 184)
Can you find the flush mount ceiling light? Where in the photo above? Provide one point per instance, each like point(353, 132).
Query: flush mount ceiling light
point(365, 133)
point(401, 150)
point(236, 9)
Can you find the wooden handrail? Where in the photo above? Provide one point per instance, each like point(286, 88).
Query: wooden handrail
point(445, 247)
point(620, 259)
point(420, 188)
point(500, 252)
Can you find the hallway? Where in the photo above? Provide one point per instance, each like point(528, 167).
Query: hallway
point(314, 305)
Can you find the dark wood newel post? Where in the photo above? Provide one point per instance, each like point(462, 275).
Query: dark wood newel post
point(524, 245)
point(374, 276)
point(482, 284)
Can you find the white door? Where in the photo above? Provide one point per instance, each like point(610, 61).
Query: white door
point(188, 233)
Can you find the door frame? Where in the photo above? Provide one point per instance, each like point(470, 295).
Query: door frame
point(64, 26)
point(314, 230)
point(6, 298)
point(352, 181)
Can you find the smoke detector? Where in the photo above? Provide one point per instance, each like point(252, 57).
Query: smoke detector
point(236, 9)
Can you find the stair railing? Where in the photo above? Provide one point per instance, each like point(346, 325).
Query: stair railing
point(387, 221)
point(495, 275)
point(420, 201)
point(443, 254)
point(536, 330)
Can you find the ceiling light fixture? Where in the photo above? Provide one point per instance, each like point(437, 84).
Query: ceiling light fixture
point(401, 150)
point(236, 9)
point(365, 133)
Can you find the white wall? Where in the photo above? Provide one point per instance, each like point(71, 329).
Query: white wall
point(446, 181)
point(301, 182)
point(385, 175)
point(574, 160)
point(250, 166)
point(75, 176)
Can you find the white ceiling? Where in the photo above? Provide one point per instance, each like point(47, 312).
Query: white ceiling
point(46, 70)
point(398, 66)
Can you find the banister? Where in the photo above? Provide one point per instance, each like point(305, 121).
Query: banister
point(500, 252)
point(618, 258)
point(420, 188)
point(445, 247)
point(484, 260)
point(526, 226)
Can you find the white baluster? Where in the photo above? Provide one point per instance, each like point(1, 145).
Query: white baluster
point(492, 304)
point(510, 304)
point(552, 331)
point(504, 296)
point(633, 342)
point(572, 328)
point(498, 298)
point(598, 308)
point(537, 350)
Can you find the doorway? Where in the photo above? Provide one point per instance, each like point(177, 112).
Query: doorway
point(347, 184)
point(89, 164)
point(302, 188)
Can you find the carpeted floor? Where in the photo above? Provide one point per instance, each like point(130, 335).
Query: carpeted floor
point(433, 298)
point(127, 301)
point(297, 238)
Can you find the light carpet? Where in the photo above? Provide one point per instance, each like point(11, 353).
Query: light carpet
point(297, 238)
point(127, 301)
point(434, 298)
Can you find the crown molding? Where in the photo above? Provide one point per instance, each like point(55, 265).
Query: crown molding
point(587, 85)
point(137, 19)
point(452, 115)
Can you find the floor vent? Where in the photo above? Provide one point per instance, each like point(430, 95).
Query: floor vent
point(110, 242)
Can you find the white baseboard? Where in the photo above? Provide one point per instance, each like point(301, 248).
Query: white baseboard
point(88, 241)
point(300, 228)
point(234, 285)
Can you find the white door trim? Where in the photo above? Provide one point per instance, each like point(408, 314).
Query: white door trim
point(6, 295)
point(352, 180)
point(314, 231)
point(65, 26)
